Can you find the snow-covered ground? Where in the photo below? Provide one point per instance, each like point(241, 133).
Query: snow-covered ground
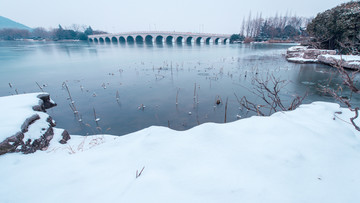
point(311, 154)
point(15, 110)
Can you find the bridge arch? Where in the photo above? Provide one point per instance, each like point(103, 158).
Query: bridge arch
point(139, 39)
point(96, 40)
point(179, 39)
point(107, 39)
point(207, 40)
point(149, 39)
point(198, 40)
point(130, 40)
point(189, 40)
point(159, 39)
point(114, 40)
point(169, 39)
point(226, 40)
point(101, 40)
point(122, 40)
point(91, 40)
point(217, 41)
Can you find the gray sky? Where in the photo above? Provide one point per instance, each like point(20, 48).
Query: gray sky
point(215, 16)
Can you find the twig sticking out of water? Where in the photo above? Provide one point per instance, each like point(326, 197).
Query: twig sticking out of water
point(72, 102)
point(226, 104)
point(39, 86)
point(177, 96)
point(10, 85)
point(141, 107)
point(96, 118)
point(117, 96)
point(73, 108)
point(67, 89)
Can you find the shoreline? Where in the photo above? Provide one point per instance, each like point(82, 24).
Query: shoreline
point(303, 54)
point(299, 149)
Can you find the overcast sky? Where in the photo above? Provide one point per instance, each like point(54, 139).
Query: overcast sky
point(215, 16)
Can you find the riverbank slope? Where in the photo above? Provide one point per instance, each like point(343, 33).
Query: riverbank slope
point(311, 154)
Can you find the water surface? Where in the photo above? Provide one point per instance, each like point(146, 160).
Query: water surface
point(155, 77)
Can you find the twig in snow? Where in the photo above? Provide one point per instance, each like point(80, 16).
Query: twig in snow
point(139, 174)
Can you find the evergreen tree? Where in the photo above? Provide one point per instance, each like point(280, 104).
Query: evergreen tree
point(338, 28)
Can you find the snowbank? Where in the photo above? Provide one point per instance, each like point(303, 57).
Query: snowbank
point(301, 54)
point(311, 154)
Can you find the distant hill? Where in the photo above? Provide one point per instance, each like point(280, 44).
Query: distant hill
point(7, 23)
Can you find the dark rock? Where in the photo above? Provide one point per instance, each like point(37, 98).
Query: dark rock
point(44, 103)
point(11, 144)
point(28, 122)
point(65, 137)
point(41, 143)
point(51, 121)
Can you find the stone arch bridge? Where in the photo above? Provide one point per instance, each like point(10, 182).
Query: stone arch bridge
point(160, 37)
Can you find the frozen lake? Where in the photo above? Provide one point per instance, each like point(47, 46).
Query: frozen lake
point(132, 87)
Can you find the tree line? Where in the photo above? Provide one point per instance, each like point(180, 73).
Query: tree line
point(75, 32)
point(280, 27)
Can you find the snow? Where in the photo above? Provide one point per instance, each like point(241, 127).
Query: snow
point(298, 54)
point(347, 58)
point(311, 154)
point(15, 110)
point(297, 48)
point(301, 60)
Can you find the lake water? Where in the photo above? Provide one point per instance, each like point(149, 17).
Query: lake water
point(150, 80)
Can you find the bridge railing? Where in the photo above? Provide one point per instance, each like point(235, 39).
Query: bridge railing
point(162, 33)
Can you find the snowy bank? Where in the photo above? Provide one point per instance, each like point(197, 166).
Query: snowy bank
point(302, 54)
point(24, 125)
point(311, 154)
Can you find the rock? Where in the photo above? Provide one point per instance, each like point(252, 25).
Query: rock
point(27, 143)
point(11, 144)
point(41, 143)
point(28, 122)
point(295, 52)
point(65, 137)
point(44, 103)
point(349, 62)
point(301, 54)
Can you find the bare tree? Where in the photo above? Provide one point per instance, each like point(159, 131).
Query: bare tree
point(248, 26)
point(349, 82)
point(268, 90)
point(242, 30)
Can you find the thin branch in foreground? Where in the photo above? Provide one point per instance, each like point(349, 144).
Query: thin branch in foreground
point(139, 174)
